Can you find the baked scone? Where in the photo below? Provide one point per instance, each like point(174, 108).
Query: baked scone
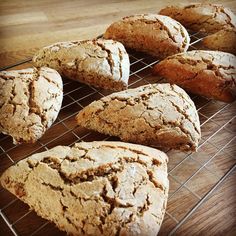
point(154, 34)
point(208, 73)
point(95, 188)
point(30, 100)
point(205, 17)
point(223, 40)
point(160, 115)
point(101, 63)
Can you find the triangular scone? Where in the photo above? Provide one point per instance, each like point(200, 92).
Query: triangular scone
point(30, 100)
point(208, 73)
point(223, 40)
point(160, 115)
point(157, 35)
point(101, 63)
point(206, 17)
point(95, 188)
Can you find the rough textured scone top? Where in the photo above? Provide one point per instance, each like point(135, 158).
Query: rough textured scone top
point(202, 17)
point(223, 40)
point(96, 188)
point(154, 34)
point(101, 63)
point(30, 100)
point(160, 115)
point(208, 73)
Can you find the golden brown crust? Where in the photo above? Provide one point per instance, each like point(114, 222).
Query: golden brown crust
point(223, 40)
point(101, 63)
point(204, 17)
point(158, 115)
point(30, 101)
point(154, 34)
point(84, 189)
point(208, 73)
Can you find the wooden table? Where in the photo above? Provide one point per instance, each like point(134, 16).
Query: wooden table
point(202, 185)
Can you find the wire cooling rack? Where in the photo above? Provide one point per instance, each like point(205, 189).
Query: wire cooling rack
point(193, 176)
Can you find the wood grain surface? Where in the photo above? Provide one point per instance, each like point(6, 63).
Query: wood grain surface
point(26, 25)
point(202, 185)
point(220, 205)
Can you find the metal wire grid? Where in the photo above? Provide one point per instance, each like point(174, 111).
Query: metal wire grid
point(65, 132)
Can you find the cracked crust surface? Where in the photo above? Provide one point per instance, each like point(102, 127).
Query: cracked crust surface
point(154, 34)
point(208, 18)
point(160, 115)
point(223, 40)
point(101, 63)
point(30, 100)
point(95, 188)
point(208, 73)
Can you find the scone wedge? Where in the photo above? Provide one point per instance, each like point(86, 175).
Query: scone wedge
point(208, 73)
point(223, 40)
point(99, 62)
point(157, 35)
point(95, 188)
point(205, 17)
point(160, 115)
point(30, 100)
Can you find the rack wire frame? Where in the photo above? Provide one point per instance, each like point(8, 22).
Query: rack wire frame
point(218, 124)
